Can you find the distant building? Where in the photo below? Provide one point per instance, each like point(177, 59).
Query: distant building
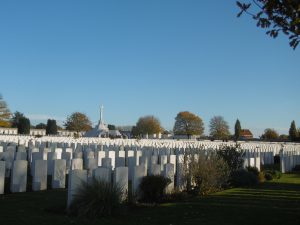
point(101, 129)
point(10, 131)
point(37, 132)
point(246, 134)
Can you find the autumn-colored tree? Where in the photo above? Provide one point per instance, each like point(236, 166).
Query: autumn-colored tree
point(270, 134)
point(219, 128)
point(187, 123)
point(78, 122)
point(147, 125)
point(4, 114)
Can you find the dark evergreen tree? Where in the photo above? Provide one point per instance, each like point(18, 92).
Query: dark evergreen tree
point(15, 119)
point(293, 131)
point(23, 125)
point(51, 128)
point(237, 129)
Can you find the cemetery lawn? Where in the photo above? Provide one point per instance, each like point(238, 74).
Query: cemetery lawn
point(275, 202)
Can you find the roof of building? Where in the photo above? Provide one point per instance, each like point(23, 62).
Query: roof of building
point(246, 132)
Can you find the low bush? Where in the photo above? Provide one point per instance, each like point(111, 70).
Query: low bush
point(276, 174)
point(296, 168)
point(205, 174)
point(253, 170)
point(243, 178)
point(96, 199)
point(268, 176)
point(152, 188)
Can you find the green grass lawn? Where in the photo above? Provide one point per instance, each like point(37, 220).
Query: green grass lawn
point(275, 202)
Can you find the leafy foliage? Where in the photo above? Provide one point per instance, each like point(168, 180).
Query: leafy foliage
point(187, 123)
point(15, 118)
point(24, 125)
point(96, 198)
point(4, 114)
point(276, 16)
point(78, 122)
point(270, 134)
point(51, 128)
point(147, 125)
point(219, 128)
point(152, 188)
point(233, 156)
point(205, 174)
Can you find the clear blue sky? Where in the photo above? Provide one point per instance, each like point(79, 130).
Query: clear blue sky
point(145, 58)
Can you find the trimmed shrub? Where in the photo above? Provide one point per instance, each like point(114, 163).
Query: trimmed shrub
point(152, 188)
point(96, 199)
point(276, 174)
point(268, 176)
point(243, 178)
point(253, 170)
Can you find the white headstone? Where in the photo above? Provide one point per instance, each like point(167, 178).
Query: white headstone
point(59, 173)
point(121, 179)
point(39, 182)
point(76, 179)
point(76, 164)
point(2, 176)
point(103, 174)
point(19, 176)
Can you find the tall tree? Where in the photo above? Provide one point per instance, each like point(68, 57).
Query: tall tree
point(270, 134)
point(4, 114)
point(277, 16)
point(237, 129)
point(23, 125)
point(78, 122)
point(51, 128)
point(219, 128)
point(293, 131)
point(187, 123)
point(147, 125)
point(15, 119)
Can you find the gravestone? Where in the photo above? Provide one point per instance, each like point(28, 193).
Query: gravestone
point(100, 156)
point(169, 173)
point(59, 174)
point(39, 182)
point(76, 164)
point(155, 169)
point(19, 176)
point(103, 174)
point(138, 174)
point(76, 180)
point(51, 156)
point(121, 179)
point(106, 163)
point(163, 159)
point(2, 176)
